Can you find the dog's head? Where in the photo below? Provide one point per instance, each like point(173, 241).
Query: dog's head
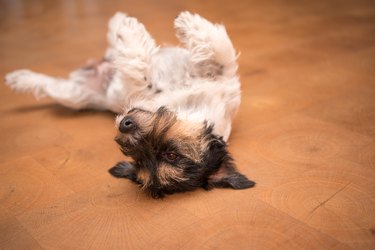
point(170, 155)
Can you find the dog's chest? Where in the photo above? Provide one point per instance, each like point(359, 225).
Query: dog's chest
point(168, 70)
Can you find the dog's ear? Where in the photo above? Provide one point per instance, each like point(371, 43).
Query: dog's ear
point(228, 177)
point(222, 171)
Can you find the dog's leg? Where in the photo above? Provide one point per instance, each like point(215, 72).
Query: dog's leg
point(131, 48)
point(85, 88)
point(212, 52)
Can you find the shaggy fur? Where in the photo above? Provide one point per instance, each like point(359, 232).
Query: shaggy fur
point(176, 104)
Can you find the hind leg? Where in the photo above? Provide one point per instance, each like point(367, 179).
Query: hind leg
point(212, 52)
point(85, 88)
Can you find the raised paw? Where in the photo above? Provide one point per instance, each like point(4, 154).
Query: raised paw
point(192, 28)
point(126, 32)
point(131, 47)
point(212, 52)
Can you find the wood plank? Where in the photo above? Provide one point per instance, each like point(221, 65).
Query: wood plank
point(305, 132)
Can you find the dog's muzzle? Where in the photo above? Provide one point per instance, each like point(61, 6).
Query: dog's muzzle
point(127, 125)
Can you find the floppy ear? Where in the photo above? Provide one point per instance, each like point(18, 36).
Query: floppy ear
point(228, 177)
point(223, 172)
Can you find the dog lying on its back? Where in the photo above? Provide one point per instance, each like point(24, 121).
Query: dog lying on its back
point(177, 104)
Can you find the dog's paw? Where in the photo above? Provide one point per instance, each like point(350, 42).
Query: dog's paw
point(27, 81)
point(21, 80)
point(131, 47)
point(205, 39)
point(212, 52)
point(114, 26)
point(190, 26)
point(127, 32)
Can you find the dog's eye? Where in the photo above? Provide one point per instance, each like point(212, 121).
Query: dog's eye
point(171, 156)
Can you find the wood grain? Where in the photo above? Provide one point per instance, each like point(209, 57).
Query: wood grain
point(305, 133)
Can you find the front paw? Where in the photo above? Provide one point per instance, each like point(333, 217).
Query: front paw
point(127, 32)
point(192, 28)
point(123, 170)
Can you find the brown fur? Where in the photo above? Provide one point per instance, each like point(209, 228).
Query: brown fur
point(187, 136)
point(143, 176)
point(168, 174)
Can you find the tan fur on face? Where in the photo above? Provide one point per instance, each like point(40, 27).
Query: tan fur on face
point(186, 135)
point(163, 122)
point(144, 176)
point(184, 129)
point(167, 173)
point(143, 119)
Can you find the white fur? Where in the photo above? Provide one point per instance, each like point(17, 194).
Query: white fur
point(198, 83)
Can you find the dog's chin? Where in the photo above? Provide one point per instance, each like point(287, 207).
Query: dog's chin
point(126, 151)
point(125, 146)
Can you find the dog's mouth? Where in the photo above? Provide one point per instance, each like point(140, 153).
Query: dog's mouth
point(120, 141)
point(125, 146)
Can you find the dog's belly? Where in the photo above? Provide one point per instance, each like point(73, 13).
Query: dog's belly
point(169, 69)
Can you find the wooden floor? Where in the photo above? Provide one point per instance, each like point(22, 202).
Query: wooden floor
point(305, 133)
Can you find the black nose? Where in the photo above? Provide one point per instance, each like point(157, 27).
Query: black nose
point(127, 125)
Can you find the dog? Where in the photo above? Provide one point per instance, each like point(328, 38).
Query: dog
point(175, 104)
